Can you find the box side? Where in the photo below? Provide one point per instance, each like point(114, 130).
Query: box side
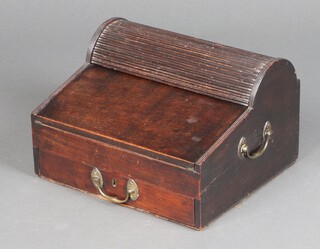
point(165, 190)
point(39, 108)
point(226, 178)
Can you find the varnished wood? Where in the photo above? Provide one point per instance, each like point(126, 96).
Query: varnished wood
point(226, 179)
point(186, 62)
point(140, 114)
point(168, 111)
point(36, 160)
point(157, 200)
point(114, 159)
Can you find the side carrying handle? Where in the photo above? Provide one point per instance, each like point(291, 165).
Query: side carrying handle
point(243, 147)
point(131, 189)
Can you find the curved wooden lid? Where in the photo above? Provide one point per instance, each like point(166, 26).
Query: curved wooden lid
point(178, 60)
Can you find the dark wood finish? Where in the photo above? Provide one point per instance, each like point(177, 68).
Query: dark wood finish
point(200, 66)
point(154, 199)
point(168, 111)
point(36, 160)
point(115, 159)
point(145, 116)
point(226, 179)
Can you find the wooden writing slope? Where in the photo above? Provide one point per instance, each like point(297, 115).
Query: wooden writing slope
point(173, 125)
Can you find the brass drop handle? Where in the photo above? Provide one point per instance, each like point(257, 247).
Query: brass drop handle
point(243, 147)
point(131, 188)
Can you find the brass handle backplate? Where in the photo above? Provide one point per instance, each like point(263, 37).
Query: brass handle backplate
point(243, 147)
point(131, 188)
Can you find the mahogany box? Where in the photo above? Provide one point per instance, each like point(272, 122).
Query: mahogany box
point(166, 123)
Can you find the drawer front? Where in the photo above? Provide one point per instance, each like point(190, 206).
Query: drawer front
point(151, 198)
point(68, 159)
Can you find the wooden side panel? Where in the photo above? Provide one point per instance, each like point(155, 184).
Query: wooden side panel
point(113, 159)
point(36, 158)
point(152, 198)
point(225, 178)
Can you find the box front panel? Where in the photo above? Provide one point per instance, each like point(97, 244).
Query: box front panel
point(68, 159)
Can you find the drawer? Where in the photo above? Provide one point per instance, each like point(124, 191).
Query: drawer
point(69, 159)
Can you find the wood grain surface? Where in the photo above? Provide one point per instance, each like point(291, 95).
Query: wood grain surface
point(225, 178)
point(148, 117)
point(168, 111)
point(196, 65)
point(153, 199)
point(114, 159)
